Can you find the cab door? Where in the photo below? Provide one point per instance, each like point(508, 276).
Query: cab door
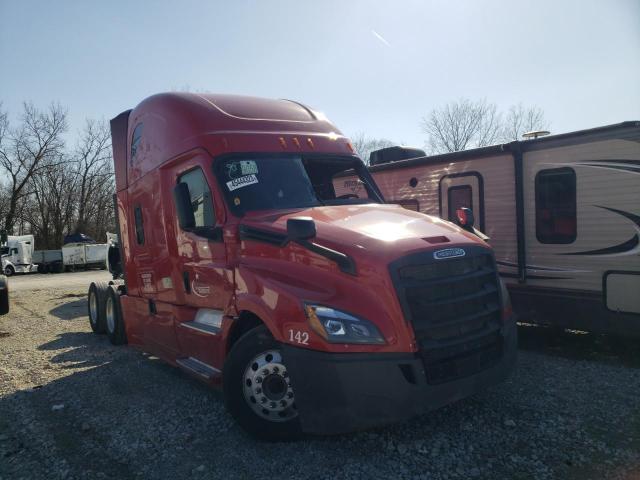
point(201, 277)
point(459, 190)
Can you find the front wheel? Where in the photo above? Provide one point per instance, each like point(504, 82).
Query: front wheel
point(9, 270)
point(257, 388)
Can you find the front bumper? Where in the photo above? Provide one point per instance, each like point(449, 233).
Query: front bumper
point(344, 392)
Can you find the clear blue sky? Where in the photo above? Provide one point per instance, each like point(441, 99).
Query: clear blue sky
point(372, 66)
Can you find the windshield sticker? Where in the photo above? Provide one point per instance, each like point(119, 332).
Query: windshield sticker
point(243, 167)
point(354, 185)
point(241, 182)
point(248, 167)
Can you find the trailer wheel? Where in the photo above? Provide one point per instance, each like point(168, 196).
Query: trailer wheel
point(257, 390)
point(113, 317)
point(4, 295)
point(96, 306)
point(9, 270)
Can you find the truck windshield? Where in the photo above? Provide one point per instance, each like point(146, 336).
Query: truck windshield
point(285, 182)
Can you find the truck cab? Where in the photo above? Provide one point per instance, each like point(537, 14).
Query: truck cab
point(16, 254)
point(258, 255)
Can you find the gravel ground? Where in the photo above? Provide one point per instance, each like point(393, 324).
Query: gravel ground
point(73, 406)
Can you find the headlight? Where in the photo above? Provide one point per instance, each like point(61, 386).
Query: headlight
point(506, 301)
point(336, 326)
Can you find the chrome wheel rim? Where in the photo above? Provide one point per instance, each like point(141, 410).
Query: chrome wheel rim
point(110, 314)
point(93, 307)
point(267, 388)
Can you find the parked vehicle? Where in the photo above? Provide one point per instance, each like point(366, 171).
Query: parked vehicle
point(4, 295)
point(16, 255)
point(314, 311)
point(562, 212)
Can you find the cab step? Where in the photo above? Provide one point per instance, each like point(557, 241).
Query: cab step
point(202, 327)
point(201, 369)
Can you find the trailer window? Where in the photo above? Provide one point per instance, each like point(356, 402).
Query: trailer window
point(201, 200)
point(137, 215)
point(556, 205)
point(459, 196)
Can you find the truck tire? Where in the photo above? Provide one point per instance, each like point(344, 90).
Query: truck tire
point(9, 270)
point(256, 388)
point(96, 300)
point(57, 267)
point(41, 268)
point(4, 295)
point(113, 317)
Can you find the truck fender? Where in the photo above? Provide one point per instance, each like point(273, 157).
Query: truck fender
point(256, 306)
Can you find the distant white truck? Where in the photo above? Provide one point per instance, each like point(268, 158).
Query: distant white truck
point(17, 254)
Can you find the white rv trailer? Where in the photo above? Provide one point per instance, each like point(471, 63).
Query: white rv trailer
point(562, 213)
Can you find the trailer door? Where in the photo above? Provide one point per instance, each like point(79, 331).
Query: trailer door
point(459, 190)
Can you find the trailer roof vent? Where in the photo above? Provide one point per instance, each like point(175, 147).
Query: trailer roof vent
point(393, 154)
point(535, 134)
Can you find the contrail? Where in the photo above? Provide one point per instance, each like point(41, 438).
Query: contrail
point(381, 38)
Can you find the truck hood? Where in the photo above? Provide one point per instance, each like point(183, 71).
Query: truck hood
point(379, 229)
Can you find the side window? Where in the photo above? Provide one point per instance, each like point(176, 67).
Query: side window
point(137, 214)
point(201, 199)
point(459, 196)
point(135, 140)
point(556, 205)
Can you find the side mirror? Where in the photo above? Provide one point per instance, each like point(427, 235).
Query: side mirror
point(182, 199)
point(301, 229)
point(465, 218)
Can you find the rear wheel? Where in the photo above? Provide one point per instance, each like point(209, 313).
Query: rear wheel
point(113, 317)
point(257, 388)
point(96, 306)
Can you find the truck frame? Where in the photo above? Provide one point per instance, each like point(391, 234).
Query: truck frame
point(316, 311)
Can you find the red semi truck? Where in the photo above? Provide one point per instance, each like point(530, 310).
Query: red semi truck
point(313, 309)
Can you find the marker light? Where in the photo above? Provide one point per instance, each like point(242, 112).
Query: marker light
point(462, 217)
point(283, 143)
point(310, 143)
point(296, 142)
point(336, 326)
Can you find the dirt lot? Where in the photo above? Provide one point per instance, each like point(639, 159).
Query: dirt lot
point(73, 406)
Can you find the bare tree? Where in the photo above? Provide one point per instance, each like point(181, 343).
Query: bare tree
point(54, 203)
point(92, 161)
point(364, 145)
point(462, 124)
point(35, 145)
point(520, 119)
